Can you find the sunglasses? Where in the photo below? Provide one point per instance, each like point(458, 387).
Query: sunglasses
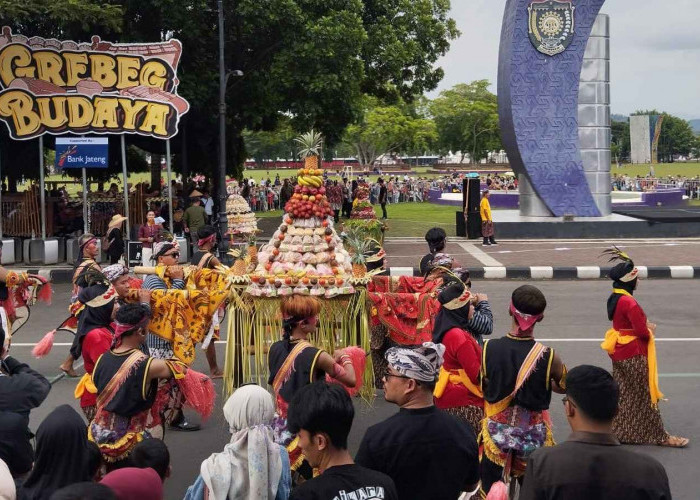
point(386, 374)
point(175, 255)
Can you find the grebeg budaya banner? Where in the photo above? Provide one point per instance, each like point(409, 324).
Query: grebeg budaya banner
point(58, 87)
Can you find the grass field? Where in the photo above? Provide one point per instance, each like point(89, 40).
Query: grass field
point(408, 219)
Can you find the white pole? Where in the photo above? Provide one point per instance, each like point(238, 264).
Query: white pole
point(85, 207)
point(170, 186)
point(42, 196)
point(126, 189)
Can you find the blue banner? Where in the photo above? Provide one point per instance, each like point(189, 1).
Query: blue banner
point(82, 152)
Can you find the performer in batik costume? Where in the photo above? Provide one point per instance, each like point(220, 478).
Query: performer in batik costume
point(129, 398)
point(518, 377)
point(632, 349)
point(294, 362)
point(87, 253)
point(458, 388)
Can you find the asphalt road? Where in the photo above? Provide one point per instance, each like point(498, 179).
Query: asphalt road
point(574, 324)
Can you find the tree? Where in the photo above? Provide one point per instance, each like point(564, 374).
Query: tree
point(466, 117)
point(388, 129)
point(676, 138)
point(620, 140)
point(309, 60)
point(264, 145)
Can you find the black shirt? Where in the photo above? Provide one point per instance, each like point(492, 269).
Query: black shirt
point(382, 194)
point(21, 390)
point(428, 453)
point(345, 482)
point(591, 465)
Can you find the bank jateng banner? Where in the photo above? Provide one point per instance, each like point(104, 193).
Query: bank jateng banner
point(82, 152)
point(58, 87)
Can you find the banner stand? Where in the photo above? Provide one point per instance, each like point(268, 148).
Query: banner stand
point(170, 185)
point(126, 190)
point(42, 189)
point(86, 227)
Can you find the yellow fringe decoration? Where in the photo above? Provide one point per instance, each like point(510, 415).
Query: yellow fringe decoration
point(255, 323)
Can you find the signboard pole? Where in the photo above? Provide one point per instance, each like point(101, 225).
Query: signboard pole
point(42, 195)
point(170, 185)
point(2, 184)
point(126, 188)
point(85, 207)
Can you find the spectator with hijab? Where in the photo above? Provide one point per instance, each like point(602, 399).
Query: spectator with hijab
point(131, 483)
point(62, 455)
point(252, 466)
point(21, 390)
point(428, 453)
point(8, 490)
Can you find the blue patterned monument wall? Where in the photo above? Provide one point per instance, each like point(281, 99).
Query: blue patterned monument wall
point(538, 108)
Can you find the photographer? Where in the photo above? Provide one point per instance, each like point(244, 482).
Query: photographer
point(21, 390)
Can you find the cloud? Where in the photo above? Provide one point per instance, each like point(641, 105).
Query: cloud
point(655, 49)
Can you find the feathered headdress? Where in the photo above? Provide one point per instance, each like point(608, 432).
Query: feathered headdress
point(625, 271)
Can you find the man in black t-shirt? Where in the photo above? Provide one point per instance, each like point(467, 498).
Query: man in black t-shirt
point(321, 415)
point(428, 453)
point(382, 196)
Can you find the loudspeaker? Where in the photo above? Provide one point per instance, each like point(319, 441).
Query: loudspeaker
point(471, 197)
point(461, 225)
point(473, 225)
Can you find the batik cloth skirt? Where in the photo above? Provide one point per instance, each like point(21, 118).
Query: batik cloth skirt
point(486, 228)
point(638, 421)
point(473, 415)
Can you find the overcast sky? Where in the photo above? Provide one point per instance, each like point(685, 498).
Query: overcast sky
point(655, 52)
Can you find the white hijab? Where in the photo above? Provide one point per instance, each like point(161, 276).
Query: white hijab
point(250, 466)
point(7, 484)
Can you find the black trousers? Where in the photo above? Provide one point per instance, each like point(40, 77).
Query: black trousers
point(384, 215)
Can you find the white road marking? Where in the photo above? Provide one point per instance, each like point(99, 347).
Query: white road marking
point(541, 272)
point(480, 255)
point(681, 271)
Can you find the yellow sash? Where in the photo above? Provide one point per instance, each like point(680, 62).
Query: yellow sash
point(454, 377)
point(614, 337)
point(85, 384)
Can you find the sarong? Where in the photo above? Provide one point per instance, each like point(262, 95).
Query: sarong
point(473, 415)
point(638, 421)
point(486, 228)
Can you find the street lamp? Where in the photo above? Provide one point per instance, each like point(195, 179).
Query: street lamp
point(223, 82)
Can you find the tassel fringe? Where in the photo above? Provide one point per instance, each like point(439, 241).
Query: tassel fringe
point(44, 346)
point(198, 392)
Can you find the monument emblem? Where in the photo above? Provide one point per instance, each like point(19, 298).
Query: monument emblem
point(551, 25)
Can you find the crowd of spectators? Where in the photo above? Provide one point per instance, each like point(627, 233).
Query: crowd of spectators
point(691, 185)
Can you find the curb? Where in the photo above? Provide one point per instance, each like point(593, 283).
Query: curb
point(540, 273)
point(562, 273)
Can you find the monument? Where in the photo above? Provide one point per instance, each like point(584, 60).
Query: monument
point(554, 105)
point(645, 131)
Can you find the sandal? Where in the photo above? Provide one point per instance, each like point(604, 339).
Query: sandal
point(675, 442)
